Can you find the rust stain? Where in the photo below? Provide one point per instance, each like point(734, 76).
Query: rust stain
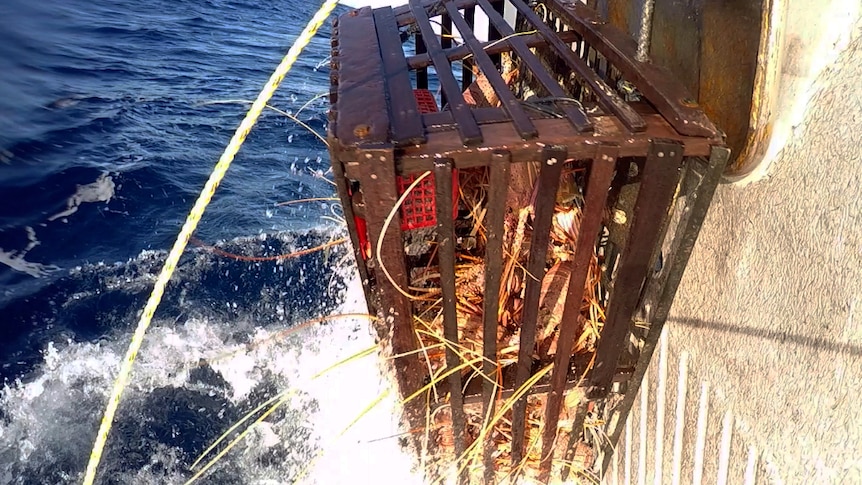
point(669, 44)
point(618, 14)
point(729, 54)
point(362, 131)
point(689, 103)
point(760, 126)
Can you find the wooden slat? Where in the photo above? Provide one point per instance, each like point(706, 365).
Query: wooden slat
point(552, 132)
point(601, 174)
point(445, 43)
point(660, 293)
point(607, 97)
point(405, 119)
point(446, 258)
point(663, 90)
point(467, 64)
point(342, 187)
point(494, 219)
point(363, 117)
point(553, 160)
point(661, 175)
point(377, 181)
point(468, 129)
point(442, 120)
point(494, 34)
point(421, 72)
point(656, 84)
point(404, 13)
point(574, 113)
point(509, 102)
point(461, 51)
point(575, 436)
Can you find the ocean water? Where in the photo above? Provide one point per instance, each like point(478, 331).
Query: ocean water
point(112, 114)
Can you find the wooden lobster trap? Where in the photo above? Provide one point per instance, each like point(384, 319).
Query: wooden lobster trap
point(522, 231)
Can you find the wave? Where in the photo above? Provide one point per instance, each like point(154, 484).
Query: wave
point(91, 92)
point(95, 301)
point(215, 351)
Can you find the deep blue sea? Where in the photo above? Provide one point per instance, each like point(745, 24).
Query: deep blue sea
point(112, 114)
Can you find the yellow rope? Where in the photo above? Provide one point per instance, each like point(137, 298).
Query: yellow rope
point(189, 227)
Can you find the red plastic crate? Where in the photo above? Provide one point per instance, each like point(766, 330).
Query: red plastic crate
point(419, 208)
point(425, 100)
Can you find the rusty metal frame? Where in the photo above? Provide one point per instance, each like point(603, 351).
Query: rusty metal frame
point(377, 134)
point(549, 178)
point(699, 181)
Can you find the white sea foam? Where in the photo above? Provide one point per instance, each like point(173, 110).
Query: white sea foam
point(102, 190)
point(16, 261)
point(367, 452)
point(52, 417)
